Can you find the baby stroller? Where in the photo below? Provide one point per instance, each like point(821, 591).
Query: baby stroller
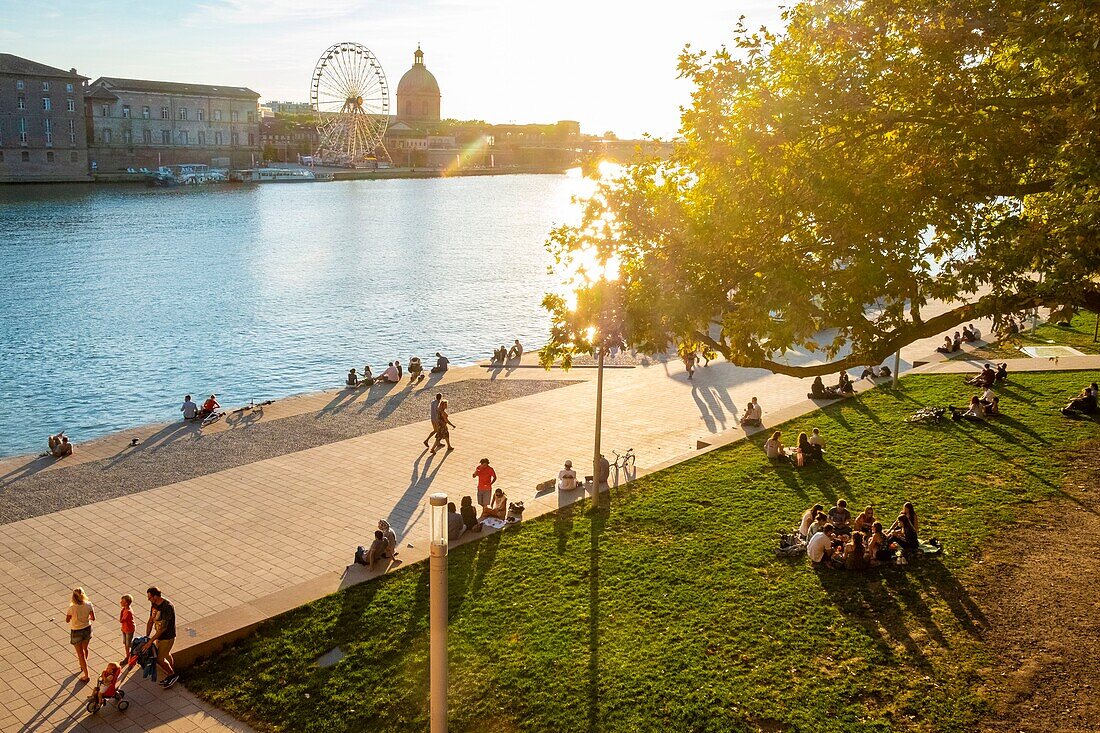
point(111, 676)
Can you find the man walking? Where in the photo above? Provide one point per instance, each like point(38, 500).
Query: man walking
point(435, 418)
point(162, 618)
point(486, 477)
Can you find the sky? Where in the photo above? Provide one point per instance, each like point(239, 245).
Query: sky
point(609, 64)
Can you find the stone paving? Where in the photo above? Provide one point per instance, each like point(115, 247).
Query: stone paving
point(234, 547)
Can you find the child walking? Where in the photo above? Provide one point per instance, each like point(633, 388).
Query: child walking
point(126, 620)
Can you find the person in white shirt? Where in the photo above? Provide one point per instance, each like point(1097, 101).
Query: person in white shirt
point(820, 547)
point(753, 413)
point(774, 446)
point(808, 518)
point(567, 477)
point(189, 409)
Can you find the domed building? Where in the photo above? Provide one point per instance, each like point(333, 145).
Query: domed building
point(418, 93)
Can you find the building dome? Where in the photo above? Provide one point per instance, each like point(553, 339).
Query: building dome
point(418, 92)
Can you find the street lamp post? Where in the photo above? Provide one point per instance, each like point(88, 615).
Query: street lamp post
point(437, 529)
point(599, 420)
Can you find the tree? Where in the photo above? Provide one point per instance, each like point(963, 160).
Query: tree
point(835, 178)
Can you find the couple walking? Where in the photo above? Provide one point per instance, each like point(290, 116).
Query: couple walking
point(441, 425)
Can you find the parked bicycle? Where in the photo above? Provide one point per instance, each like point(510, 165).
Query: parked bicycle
point(624, 460)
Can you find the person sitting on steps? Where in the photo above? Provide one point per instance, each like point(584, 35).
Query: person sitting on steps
point(442, 363)
point(753, 415)
point(497, 508)
point(516, 352)
point(416, 370)
point(567, 477)
point(818, 391)
point(946, 347)
point(844, 385)
point(59, 445)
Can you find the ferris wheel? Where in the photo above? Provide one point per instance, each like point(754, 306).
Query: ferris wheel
point(351, 99)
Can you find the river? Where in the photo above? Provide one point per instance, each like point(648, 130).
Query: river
point(115, 301)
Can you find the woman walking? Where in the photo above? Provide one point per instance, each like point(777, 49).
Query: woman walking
point(443, 432)
point(79, 618)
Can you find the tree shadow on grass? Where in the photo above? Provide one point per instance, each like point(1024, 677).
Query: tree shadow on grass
point(866, 600)
point(486, 556)
point(934, 576)
point(858, 406)
point(1018, 426)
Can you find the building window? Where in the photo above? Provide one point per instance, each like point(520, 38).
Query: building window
point(47, 126)
point(73, 157)
point(26, 157)
point(19, 84)
point(125, 111)
point(251, 139)
point(147, 137)
point(72, 132)
point(251, 116)
point(184, 138)
point(235, 139)
point(45, 86)
point(166, 137)
point(21, 103)
point(217, 138)
point(236, 116)
point(106, 137)
point(217, 115)
point(145, 113)
point(183, 113)
point(49, 156)
point(23, 130)
point(164, 113)
point(70, 105)
point(202, 138)
point(47, 105)
point(69, 88)
point(105, 111)
point(201, 114)
point(127, 137)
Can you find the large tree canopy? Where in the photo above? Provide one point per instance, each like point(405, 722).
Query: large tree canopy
point(873, 156)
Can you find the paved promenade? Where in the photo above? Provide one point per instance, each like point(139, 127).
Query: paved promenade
point(235, 546)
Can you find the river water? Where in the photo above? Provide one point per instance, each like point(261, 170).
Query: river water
point(116, 301)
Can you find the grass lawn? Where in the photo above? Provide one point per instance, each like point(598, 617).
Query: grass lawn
point(664, 607)
point(1078, 334)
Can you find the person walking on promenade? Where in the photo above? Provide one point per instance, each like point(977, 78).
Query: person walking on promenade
point(435, 418)
point(79, 617)
point(486, 477)
point(443, 432)
point(161, 629)
point(689, 363)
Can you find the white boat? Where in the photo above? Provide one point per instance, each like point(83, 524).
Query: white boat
point(276, 175)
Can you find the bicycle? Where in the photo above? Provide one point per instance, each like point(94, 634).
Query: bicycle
point(624, 460)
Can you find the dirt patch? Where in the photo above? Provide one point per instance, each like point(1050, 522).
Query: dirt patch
point(1038, 589)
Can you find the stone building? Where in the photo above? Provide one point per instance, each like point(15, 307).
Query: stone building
point(41, 122)
point(134, 123)
point(418, 93)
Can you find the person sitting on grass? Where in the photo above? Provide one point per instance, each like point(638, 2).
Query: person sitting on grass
point(904, 533)
point(774, 446)
point(1083, 404)
point(59, 445)
point(855, 553)
point(864, 520)
point(817, 445)
point(975, 412)
point(469, 515)
point(840, 517)
point(1001, 375)
point(908, 510)
point(818, 391)
point(820, 520)
point(985, 378)
point(820, 548)
point(878, 548)
point(752, 415)
point(808, 517)
point(497, 507)
point(806, 449)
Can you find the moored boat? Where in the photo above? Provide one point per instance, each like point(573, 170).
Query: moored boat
point(276, 175)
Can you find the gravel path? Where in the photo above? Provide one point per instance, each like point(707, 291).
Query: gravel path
point(180, 452)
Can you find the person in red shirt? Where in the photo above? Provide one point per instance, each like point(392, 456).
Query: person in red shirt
point(126, 620)
point(208, 407)
point(486, 477)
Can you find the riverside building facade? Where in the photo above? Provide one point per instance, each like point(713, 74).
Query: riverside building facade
point(41, 122)
point(135, 123)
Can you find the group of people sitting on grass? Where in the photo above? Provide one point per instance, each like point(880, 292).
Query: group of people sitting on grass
point(1084, 403)
point(393, 372)
point(809, 448)
point(836, 539)
point(987, 404)
point(504, 354)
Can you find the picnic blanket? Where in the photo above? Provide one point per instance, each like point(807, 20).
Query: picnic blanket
point(494, 523)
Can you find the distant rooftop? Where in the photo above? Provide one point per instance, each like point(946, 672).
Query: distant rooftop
point(10, 64)
point(172, 87)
